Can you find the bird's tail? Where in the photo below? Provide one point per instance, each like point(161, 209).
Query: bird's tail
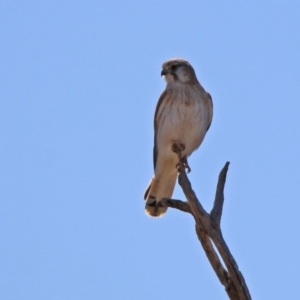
point(161, 187)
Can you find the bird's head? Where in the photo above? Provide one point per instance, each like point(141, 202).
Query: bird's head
point(178, 71)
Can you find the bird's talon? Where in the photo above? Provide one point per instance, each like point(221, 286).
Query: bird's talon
point(186, 165)
point(188, 169)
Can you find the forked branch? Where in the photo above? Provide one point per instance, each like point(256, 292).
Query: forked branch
point(209, 233)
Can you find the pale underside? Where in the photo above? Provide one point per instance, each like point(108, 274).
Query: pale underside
point(183, 117)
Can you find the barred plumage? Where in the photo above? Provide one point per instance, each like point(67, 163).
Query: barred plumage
point(183, 115)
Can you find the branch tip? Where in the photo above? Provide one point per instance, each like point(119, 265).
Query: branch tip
point(216, 212)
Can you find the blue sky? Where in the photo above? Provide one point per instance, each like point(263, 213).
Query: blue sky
point(79, 85)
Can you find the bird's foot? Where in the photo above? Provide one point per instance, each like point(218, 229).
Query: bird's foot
point(183, 163)
point(178, 148)
point(186, 165)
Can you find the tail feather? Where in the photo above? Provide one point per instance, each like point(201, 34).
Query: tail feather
point(159, 187)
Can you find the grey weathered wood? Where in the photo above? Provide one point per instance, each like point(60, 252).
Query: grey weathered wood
point(209, 233)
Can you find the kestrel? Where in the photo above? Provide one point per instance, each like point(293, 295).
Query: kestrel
point(182, 117)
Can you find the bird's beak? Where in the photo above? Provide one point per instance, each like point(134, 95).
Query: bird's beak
point(163, 72)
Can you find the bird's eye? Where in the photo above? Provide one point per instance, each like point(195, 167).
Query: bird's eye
point(173, 67)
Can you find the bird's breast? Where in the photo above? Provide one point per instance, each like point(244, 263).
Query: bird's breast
point(182, 118)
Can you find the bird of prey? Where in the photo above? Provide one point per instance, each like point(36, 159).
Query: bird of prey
point(182, 117)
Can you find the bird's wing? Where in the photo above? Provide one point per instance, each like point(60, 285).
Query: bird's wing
point(157, 116)
point(209, 109)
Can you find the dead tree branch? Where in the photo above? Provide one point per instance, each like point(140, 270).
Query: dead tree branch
point(209, 233)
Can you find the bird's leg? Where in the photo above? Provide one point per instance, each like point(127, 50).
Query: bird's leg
point(178, 148)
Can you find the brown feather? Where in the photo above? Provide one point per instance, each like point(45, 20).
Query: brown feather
point(183, 114)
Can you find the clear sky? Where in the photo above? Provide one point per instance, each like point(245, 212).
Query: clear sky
point(79, 85)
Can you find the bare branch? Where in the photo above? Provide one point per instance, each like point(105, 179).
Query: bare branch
point(178, 204)
point(208, 231)
point(216, 263)
point(216, 212)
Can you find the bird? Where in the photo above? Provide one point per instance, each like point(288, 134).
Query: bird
point(183, 115)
